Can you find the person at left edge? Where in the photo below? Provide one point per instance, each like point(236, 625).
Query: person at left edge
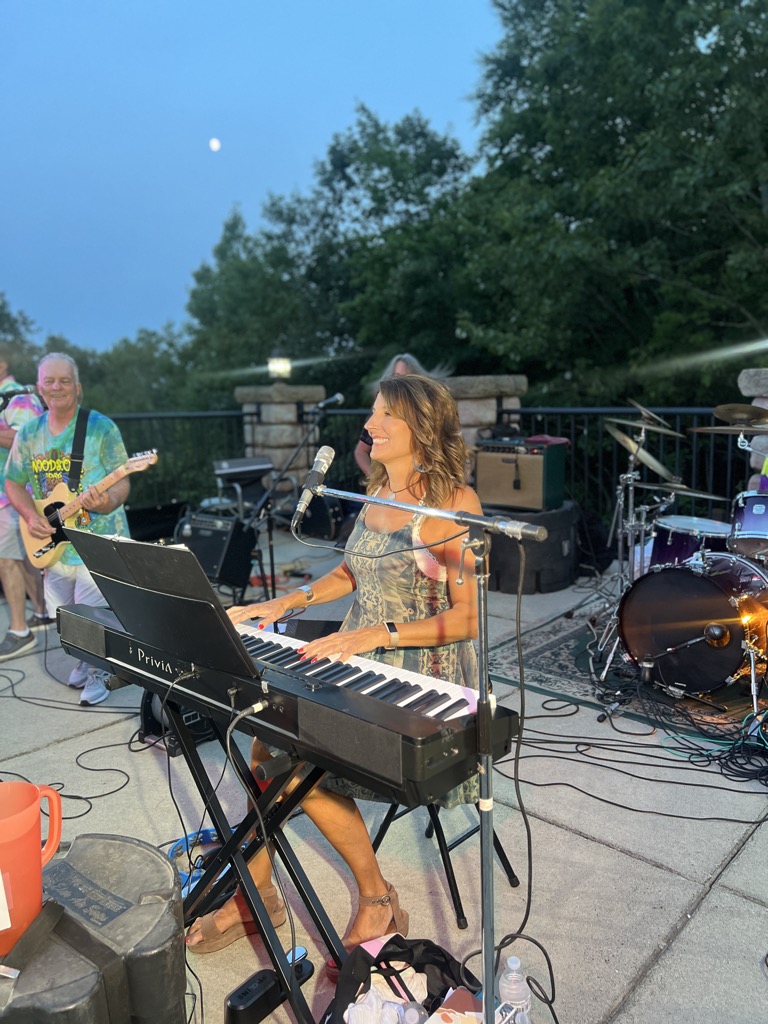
point(40, 458)
point(17, 576)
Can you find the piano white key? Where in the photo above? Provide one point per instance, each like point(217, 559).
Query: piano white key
point(451, 691)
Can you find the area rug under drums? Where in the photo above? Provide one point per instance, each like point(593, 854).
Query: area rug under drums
point(556, 662)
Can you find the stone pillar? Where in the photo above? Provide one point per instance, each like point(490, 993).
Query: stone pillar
point(275, 426)
point(480, 398)
point(754, 384)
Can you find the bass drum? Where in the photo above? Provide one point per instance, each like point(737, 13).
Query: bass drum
point(323, 518)
point(664, 615)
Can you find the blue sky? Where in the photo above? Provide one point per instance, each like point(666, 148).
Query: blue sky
point(110, 194)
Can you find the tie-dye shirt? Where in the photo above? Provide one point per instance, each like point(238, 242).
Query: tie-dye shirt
point(20, 410)
point(41, 460)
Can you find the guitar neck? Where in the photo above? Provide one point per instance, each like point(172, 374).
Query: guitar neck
point(103, 485)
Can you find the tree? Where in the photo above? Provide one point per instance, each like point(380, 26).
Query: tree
point(627, 151)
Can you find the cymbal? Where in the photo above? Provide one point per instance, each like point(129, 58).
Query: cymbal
point(647, 414)
point(745, 429)
point(639, 453)
point(640, 425)
point(680, 488)
point(749, 415)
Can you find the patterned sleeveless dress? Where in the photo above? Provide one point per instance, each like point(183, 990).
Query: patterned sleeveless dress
point(399, 580)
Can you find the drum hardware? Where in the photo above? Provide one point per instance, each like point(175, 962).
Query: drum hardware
point(642, 425)
point(626, 527)
point(743, 415)
point(648, 415)
point(683, 490)
point(758, 430)
point(637, 451)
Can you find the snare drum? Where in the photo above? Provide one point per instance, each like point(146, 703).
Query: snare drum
point(664, 615)
point(749, 525)
point(679, 538)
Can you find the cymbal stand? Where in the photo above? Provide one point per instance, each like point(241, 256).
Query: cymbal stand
point(631, 538)
point(625, 502)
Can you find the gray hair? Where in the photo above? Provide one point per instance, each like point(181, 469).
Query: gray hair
point(49, 356)
point(414, 366)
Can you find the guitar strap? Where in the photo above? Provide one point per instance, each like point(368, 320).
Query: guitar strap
point(78, 450)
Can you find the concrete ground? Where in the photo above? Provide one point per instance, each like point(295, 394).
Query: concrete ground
point(643, 874)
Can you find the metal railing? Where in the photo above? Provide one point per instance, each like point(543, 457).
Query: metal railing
point(710, 463)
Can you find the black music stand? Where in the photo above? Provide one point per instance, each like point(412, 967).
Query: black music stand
point(161, 596)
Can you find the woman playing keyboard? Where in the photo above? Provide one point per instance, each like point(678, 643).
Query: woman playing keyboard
point(401, 568)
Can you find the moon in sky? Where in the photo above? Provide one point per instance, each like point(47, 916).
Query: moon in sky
point(214, 145)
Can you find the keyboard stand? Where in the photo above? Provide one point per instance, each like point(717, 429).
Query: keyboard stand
point(276, 806)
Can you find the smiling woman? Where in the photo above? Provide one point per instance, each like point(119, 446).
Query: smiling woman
point(408, 610)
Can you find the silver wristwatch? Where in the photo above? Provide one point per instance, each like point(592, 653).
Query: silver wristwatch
point(307, 591)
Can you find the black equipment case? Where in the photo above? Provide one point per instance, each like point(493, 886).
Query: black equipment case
point(109, 943)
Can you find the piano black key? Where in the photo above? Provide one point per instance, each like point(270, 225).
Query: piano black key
point(362, 680)
point(308, 667)
point(328, 674)
point(405, 694)
point(428, 702)
point(350, 672)
point(363, 683)
point(337, 671)
point(283, 656)
point(391, 692)
point(354, 673)
point(458, 705)
point(256, 644)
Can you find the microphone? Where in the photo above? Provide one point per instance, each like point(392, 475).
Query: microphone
point(716, 634)
point(518, 530)
point(323, 460)
point(29, 389)
point(508, 527)
point(337, 399)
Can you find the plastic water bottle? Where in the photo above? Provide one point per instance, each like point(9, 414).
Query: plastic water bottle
point(513, 988)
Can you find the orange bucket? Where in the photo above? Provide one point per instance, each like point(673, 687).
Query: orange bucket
point(22, 857)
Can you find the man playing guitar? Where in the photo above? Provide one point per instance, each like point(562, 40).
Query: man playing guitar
point(40, 459)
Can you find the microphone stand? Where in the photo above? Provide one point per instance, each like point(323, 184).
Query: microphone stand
point(479, 541)
point(265, 502)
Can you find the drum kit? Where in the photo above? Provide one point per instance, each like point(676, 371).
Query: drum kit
point(692, 605)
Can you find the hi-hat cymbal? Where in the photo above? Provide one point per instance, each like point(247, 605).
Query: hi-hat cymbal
point(757, 430)
point(647, 414)
point(736, 415)
point(640, 425)
point(681, 489)
point(639, 453)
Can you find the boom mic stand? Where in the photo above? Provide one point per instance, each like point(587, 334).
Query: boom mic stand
point(479, 529)
point(264, 504)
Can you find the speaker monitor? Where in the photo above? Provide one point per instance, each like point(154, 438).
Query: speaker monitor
point(223, 547)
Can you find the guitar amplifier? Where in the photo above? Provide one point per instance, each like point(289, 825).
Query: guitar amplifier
point(222, 546)
point(520, 474)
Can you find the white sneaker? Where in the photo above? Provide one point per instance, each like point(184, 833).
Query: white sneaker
point(79, 675)
point(94, 691)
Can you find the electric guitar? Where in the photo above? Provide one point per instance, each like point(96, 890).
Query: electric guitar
point(61, 506)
